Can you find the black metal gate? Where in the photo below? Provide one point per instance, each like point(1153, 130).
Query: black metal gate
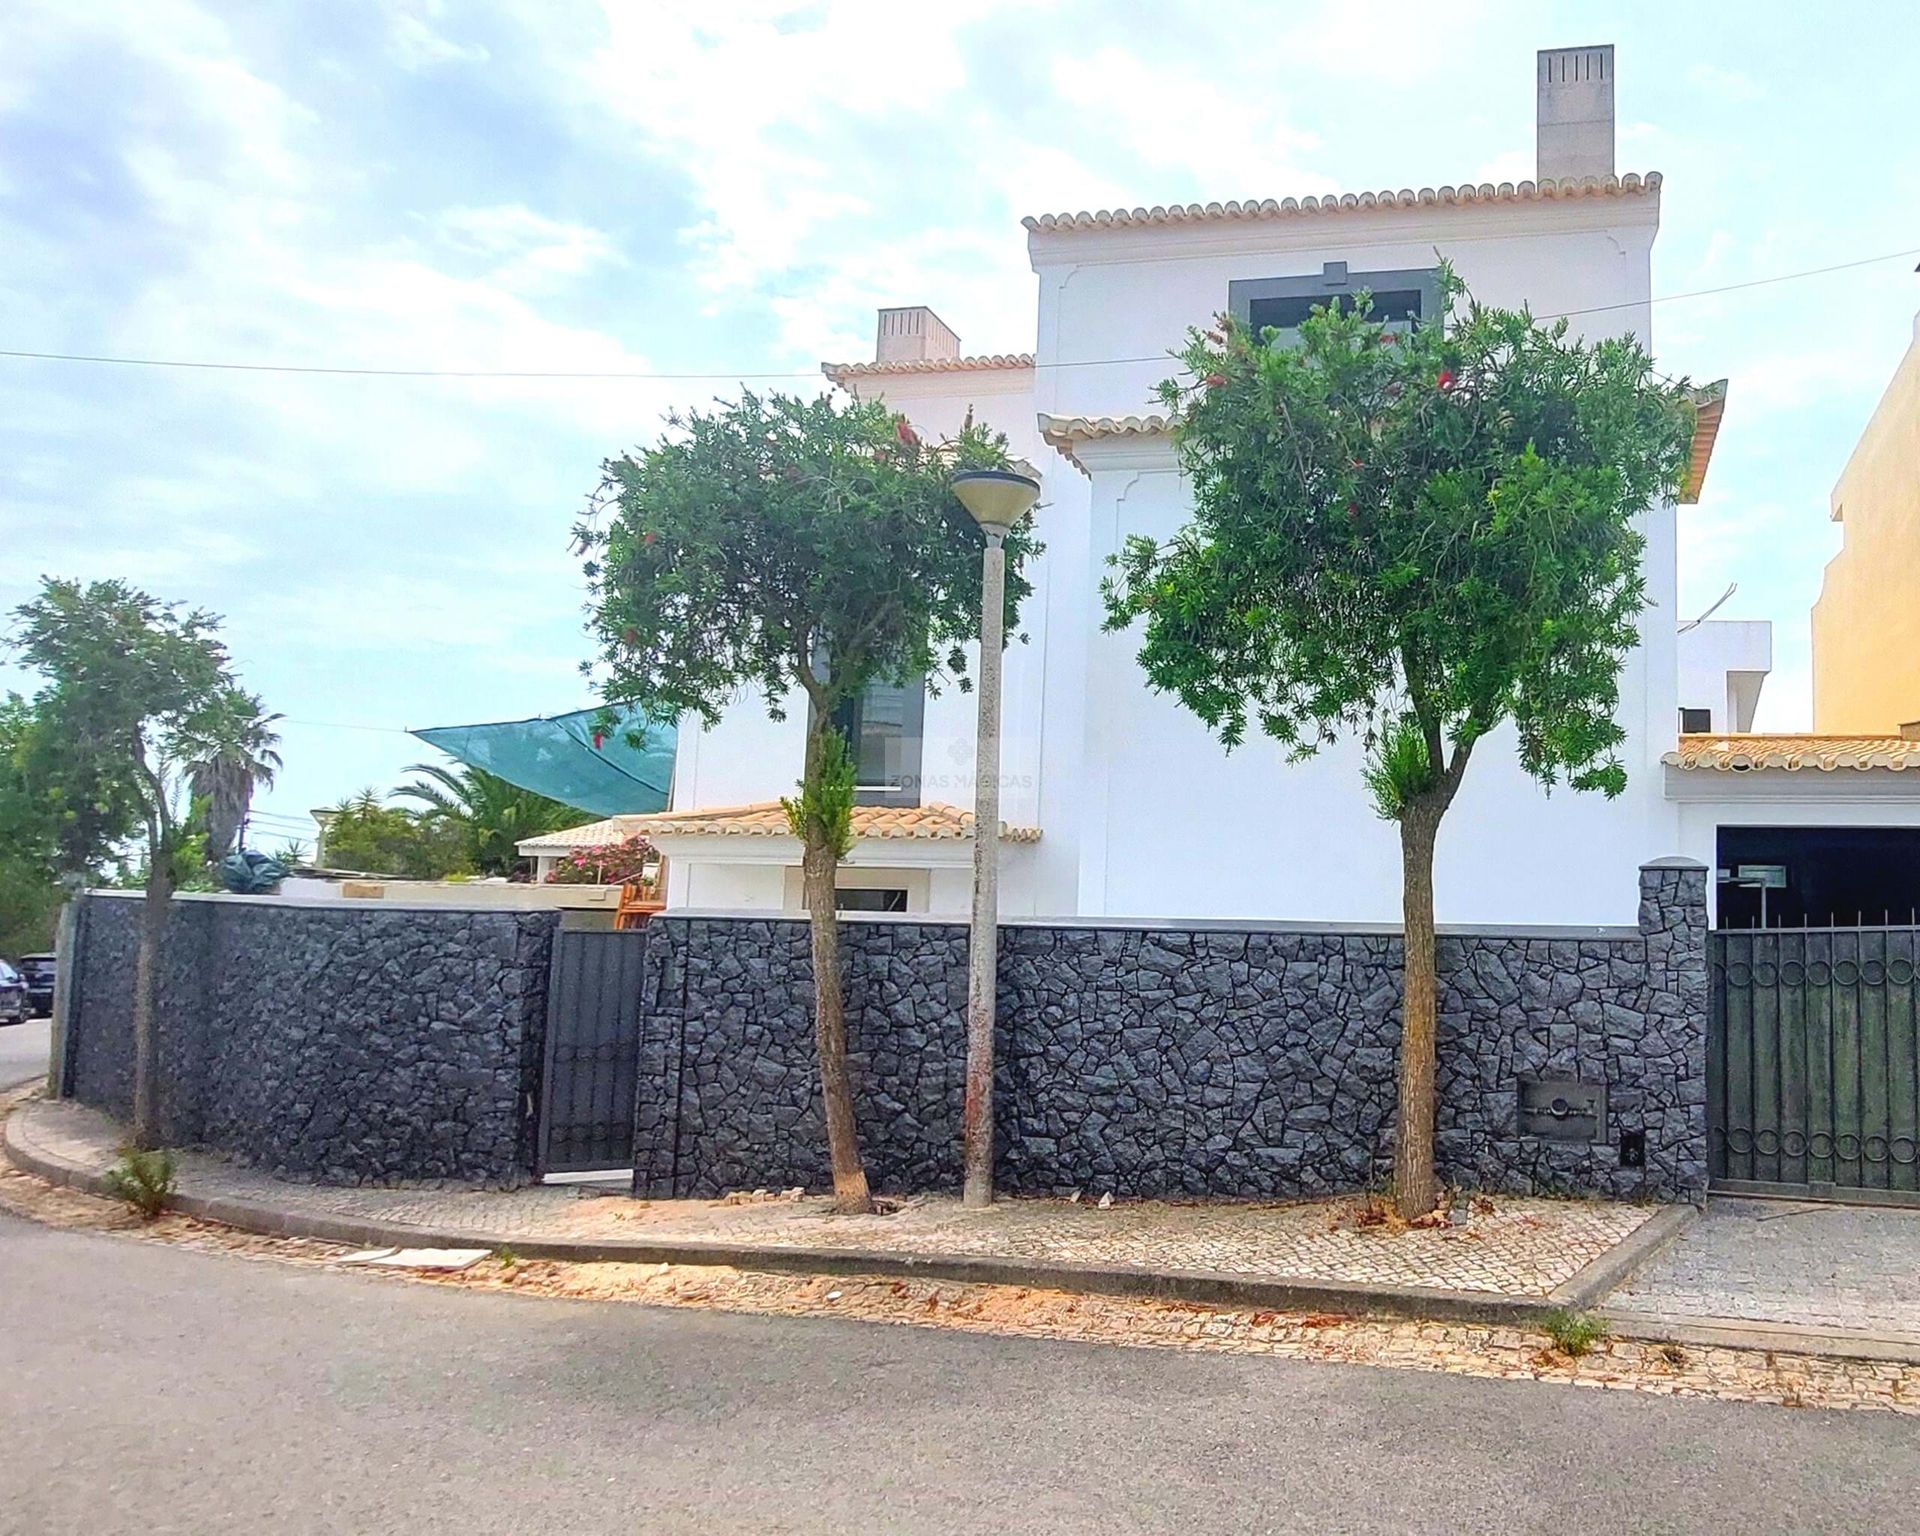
point(593, 1040)
point(1813, 1064)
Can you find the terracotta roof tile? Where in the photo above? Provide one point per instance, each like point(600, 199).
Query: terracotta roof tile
point(1348, 202)
point(1062, 432)
point(841, 372)
point(592, 834)
point(1709, 404)
point(769, 819)
point(1795, 754)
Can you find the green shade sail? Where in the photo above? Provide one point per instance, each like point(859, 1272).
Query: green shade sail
point(622, 770)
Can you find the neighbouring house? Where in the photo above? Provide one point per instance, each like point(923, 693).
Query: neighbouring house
point(1723, 666)
point(1866, 622)
point(1119, 804)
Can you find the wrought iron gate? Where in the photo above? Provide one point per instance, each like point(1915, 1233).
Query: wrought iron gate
point(1813, 1064)
point(593, 1040)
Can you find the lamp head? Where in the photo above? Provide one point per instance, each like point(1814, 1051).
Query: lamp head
point(996, 498)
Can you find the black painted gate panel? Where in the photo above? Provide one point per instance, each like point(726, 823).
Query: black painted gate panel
point(1813, 1063)
point(593, 1040)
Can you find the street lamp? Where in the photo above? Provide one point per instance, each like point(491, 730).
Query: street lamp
point(997, 500)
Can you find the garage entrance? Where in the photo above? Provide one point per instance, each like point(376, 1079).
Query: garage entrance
point(1813, 1063)
point(1818, 877)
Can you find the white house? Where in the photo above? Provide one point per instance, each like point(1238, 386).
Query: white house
point(1118, 803)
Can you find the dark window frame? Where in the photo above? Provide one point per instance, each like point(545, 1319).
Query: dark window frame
point(1334, 281)
point(870, 898)
point(903, 787)
point(1690, 721)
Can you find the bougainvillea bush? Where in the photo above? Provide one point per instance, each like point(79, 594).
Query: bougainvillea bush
point(606, 864)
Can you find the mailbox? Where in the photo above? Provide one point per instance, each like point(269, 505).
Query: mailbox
point(1563, 1109)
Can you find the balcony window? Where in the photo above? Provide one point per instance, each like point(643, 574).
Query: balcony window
point(1281, 303)
point(883, 727)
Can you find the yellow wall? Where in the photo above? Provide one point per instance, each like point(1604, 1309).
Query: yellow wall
point(1866, 622)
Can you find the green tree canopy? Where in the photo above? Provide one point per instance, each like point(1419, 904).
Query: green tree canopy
point(488, 816)
point(1412, 538)
point(231, 748)
point(366, 837)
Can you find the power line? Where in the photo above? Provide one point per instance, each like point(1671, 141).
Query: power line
point(346, 725)
point(614, 375)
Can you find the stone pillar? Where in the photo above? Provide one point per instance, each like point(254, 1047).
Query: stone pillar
point(1673, 917)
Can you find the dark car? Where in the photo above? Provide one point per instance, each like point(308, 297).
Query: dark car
point(38, 969)
point(13, 995)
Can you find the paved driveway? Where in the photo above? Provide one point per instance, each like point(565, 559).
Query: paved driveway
point(151, 1390)
point(23, 1051)
point(1819, 1266)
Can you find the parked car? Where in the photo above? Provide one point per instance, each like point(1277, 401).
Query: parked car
point(38, 969)
point(13, 995)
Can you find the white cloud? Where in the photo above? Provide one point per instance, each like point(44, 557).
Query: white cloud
point(527, 249)
point(414, 42)
point(741, 96)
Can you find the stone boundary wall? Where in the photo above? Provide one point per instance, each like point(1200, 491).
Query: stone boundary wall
point(353, 1044)
point(1243, 1063)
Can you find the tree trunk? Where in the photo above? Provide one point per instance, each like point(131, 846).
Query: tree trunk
point(146, 993)
point(818, 864)
point(1414, 1186)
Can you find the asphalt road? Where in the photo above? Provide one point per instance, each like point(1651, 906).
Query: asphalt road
point(23, 1051)
point(149, 1389)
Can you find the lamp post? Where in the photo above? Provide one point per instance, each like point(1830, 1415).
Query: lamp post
point(997, 499)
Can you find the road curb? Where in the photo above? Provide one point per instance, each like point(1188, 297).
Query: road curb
point(1774, 1338)
point(1603, 1276)
point(1211, 1287)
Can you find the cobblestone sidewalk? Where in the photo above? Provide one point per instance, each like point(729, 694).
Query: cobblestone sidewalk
point(1505, 1247)
point(1813, 1266)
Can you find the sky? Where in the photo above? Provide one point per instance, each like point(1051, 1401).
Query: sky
point(720, 190)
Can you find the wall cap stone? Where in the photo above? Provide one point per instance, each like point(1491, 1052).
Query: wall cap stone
point(336, 903)
point(1170, 924)
point(1673, 863)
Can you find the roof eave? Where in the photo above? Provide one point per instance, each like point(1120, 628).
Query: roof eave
point(1709, 405)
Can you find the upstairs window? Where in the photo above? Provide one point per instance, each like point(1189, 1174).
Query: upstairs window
point(883, 727)
point(1696, 722)
point(1399, 298)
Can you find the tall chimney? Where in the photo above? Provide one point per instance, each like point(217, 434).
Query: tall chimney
point(1575, 113)
point(914, 335)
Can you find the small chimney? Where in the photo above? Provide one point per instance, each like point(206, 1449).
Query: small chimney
point(914, 335)
point(1575, 113)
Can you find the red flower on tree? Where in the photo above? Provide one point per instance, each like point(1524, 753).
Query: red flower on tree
point(1215, 381)
point(1445, 381)
point(903, 429)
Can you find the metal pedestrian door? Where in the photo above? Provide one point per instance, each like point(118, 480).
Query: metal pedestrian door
point(1813, 1064)
point(592, 1050)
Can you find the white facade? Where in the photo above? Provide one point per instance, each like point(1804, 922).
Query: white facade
point(1141, 813)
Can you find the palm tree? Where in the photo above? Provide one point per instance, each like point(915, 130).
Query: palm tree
point(232, 749)
point(491, 814)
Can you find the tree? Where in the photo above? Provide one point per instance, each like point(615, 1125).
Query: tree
point(805, 549)
point(130, 680)
point(367, 837)
point(1414, 537)
point(488, 815)
point(232, 748)
point(60, 818)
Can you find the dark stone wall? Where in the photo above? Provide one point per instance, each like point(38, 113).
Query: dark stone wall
point(353, 1045)
point(1248, 1063)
